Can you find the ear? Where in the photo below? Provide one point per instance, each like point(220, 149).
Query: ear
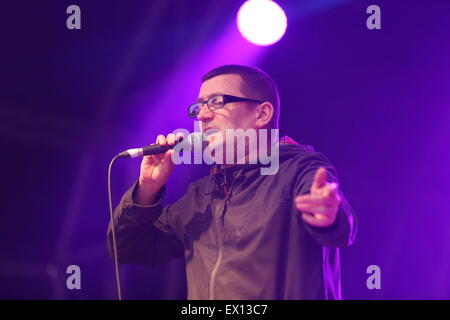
point(264, 114)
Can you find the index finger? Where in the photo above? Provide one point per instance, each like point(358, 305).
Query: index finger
point(179, 136)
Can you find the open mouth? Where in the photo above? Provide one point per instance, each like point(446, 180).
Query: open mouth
point(210, 131)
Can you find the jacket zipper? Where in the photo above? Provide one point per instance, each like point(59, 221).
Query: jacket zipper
point(216, 265)
point(220, 246)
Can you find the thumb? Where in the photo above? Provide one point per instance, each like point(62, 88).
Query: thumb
point(319, 178)
point(168, 162)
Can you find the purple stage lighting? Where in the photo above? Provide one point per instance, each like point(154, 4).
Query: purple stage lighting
point(261, 22)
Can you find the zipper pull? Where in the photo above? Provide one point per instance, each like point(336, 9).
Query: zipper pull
point(225, 191)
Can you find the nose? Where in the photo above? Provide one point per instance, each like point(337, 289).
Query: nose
point(205, 114)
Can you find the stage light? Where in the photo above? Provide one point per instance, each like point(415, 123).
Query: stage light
point(261, 22)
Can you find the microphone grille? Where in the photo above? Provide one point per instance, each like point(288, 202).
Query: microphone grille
point(196, 139)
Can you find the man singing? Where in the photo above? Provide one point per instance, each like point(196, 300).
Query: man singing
point(243, 234)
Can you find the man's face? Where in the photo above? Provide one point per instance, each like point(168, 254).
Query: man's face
point(234, 115)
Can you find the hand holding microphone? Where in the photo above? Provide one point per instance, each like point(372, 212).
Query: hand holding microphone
point(157, 164)
point(156, 169)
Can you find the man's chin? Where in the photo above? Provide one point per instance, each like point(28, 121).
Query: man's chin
point(214, 144)
point(214, 149)
point(214, 137)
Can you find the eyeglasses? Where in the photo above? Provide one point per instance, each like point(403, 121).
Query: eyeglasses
point(216, 102)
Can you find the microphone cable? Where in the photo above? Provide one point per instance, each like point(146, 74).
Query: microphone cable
point(116, 261)
point(132, 153)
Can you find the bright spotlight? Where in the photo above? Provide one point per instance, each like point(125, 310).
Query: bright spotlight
point(262, 22)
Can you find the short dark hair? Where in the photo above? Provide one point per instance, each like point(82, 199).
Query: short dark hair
point(257, 84)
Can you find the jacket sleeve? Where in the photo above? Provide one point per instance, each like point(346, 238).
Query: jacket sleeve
point(342, 232)
point(145, 235)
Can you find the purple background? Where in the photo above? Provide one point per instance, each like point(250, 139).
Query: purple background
point(376, 102)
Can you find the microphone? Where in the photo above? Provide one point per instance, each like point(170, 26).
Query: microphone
point(195, 138)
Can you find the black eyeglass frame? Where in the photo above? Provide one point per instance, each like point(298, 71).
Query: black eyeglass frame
point(226, 99)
